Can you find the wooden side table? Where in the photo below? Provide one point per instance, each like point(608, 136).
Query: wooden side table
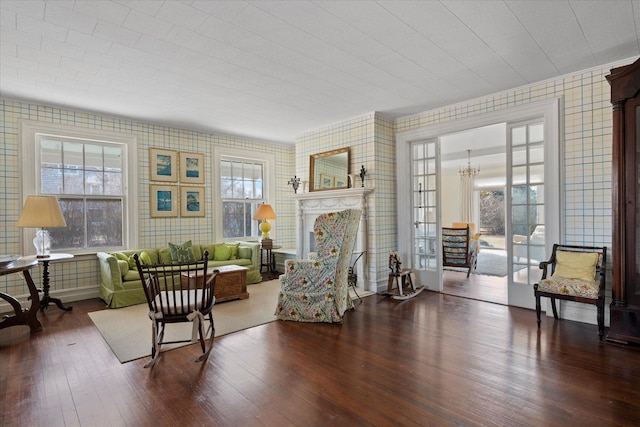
point(46, 299)
point(20, 316)
point(270, 261)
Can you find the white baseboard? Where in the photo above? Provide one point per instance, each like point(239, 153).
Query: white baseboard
point(65, 295)
point(578, 312)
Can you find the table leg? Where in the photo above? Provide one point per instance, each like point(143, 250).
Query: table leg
point(46, 299)
point(23, 317)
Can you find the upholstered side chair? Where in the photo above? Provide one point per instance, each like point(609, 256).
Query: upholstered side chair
point(316, 289)
point(574, 273)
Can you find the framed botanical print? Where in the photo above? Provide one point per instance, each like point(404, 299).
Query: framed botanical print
point(191, 201)
point(163, 201)
point(163, 165)
point(191, 168)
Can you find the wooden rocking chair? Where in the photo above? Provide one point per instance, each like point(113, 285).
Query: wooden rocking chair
point(401, 284)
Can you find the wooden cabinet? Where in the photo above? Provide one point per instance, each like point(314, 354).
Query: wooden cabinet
point(625, 304)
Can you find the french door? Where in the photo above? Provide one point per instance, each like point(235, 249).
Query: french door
point(532, 218)
point(525, 217)
point(425, 167)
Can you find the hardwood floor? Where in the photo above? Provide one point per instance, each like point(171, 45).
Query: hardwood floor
point(476, 286)
point(432, 360)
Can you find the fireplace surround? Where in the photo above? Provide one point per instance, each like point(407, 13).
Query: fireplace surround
point(312, 204)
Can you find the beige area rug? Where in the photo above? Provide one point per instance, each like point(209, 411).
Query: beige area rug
point(128, 330)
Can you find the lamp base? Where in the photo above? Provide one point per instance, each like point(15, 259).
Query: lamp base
point(265, 227)
point(42, 243)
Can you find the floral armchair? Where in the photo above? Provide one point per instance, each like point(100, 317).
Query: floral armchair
point(316, 289)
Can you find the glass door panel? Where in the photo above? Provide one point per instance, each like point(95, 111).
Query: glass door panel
point(424, 170)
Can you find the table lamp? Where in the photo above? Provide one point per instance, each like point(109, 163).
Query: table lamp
point(265, 213)
point(41, 212)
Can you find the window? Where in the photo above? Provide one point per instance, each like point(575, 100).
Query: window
point(242, 180)
point(241, 189)
point(88, 171)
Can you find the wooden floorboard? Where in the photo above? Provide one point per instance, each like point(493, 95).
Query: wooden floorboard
point(433, 360)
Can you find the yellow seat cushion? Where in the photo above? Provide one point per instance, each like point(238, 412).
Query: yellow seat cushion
point(576, 265)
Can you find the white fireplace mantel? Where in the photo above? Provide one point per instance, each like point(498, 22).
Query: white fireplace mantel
point(312, 204)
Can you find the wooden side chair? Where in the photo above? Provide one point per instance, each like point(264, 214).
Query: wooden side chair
point(459, 249)
point(574, 273)
point(176, 293)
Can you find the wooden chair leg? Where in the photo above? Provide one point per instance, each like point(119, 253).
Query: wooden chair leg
point(538, 309)
point(600, 306)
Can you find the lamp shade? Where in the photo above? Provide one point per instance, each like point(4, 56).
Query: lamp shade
point(41, 212)
point(264, 211)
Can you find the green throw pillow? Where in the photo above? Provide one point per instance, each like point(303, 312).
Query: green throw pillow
point(244, 253)
point(132, 263)
point(182, 253)
point(121, 256)
point(222, 253)
point(234, 249)
point(145, 258)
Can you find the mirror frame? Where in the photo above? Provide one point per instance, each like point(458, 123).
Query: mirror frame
point(312, 167)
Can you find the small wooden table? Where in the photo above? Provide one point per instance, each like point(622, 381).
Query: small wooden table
point(20, 316)
point(231, 282)
point(46, 299)
point(268, 247)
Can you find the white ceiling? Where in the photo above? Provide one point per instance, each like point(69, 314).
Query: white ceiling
point(276, 69)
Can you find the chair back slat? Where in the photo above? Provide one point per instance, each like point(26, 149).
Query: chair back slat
point(176, 290)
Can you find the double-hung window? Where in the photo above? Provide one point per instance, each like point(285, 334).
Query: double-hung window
point(241, 190)
point(89, 176)
point(243, 179)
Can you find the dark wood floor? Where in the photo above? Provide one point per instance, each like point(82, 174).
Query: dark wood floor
point(476, 286)
point(432, 360)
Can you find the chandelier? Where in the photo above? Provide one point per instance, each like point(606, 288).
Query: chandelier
point(468, 172)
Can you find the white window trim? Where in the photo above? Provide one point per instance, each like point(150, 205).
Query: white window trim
point(269, 184)
point(29, 184)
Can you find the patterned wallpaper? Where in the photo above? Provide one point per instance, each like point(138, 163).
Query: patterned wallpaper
point(586, 185)
point(152, 232)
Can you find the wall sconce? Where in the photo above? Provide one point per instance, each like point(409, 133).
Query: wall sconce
point(295, 183)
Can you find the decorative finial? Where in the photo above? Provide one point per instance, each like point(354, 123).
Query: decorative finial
point(363, 172)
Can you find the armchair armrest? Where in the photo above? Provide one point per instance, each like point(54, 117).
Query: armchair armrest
point(109, 271)
point(543, 266)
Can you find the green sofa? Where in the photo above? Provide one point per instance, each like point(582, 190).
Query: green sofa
point(121, 285)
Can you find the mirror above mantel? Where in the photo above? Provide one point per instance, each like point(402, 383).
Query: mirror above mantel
point(329, 170)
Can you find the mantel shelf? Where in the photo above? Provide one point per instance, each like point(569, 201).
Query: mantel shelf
point(330, 194)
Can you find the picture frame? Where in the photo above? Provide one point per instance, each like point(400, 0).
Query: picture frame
point(327, 181)
point(192, 201)
point(191, 168)
point(340, 182)
point(163, 201)
point(163, 165)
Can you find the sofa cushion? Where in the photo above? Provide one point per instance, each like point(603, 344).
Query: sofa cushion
point(131, 275)
point(222, 253)
point(234, 249)
point(182, 253)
